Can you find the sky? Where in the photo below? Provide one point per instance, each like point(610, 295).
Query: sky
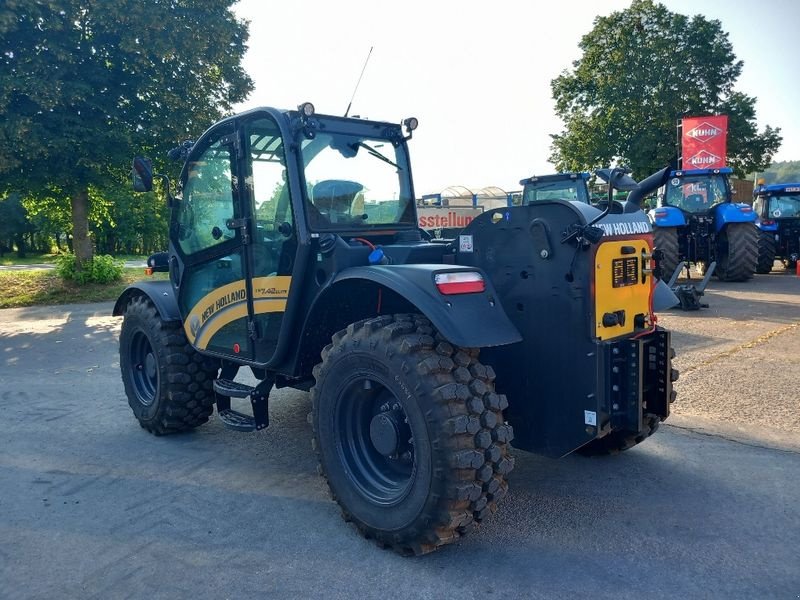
point(477, 73)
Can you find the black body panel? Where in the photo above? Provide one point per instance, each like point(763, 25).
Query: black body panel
point(551, 302)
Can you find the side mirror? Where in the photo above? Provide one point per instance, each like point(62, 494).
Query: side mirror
point(624, 182)
point(142, 174)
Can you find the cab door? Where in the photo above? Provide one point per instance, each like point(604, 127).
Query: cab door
point(207, 250)
point(272, 248)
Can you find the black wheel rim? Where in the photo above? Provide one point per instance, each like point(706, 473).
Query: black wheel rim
point(374, 441)
point(144, 369)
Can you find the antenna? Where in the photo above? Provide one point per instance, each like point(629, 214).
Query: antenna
point(347, 112)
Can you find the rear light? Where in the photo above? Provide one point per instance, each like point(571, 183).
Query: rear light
point(462, 282)
point(746, 209)
point(660, 213)
point(148, 271)
point(768, 222)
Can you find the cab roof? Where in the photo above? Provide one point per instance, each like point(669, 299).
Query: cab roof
point(777, 188)
point(688, 172)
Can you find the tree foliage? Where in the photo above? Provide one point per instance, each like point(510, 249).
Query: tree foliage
point(787, 171)
point(85, 84)
point(14, 224)
point(641, 70)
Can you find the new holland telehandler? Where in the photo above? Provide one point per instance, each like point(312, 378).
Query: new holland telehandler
point(295, 252)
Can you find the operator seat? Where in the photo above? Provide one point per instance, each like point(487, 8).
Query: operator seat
point(333, 199)
point(695, 200)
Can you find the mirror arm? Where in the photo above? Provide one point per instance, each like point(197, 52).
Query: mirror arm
point(167, 187)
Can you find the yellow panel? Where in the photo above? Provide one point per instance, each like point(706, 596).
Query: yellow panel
point(631, 294)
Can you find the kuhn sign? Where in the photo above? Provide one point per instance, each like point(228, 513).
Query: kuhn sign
point(703, 160)
point(704, 132)
point(704, 142)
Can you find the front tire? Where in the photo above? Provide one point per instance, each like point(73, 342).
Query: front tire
point(409, 433)
point(169, 385)
point(737, 252)
point(766, 252)
point(666, 240)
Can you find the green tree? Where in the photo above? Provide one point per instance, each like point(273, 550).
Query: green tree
point(641, 70)
point(85, 84)
point(787, 171)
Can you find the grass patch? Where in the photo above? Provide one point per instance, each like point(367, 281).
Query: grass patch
point(33, 288)
point(11, 258)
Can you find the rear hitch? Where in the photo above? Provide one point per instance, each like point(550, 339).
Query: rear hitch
point(689, 294)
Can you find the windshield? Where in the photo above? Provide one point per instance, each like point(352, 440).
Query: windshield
point(569, 189)
point(696, 194)
point(784, 207)
point(356, 182)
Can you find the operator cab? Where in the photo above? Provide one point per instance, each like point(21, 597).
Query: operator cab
point(559, 186)
point(778, 201)
point(696, 191)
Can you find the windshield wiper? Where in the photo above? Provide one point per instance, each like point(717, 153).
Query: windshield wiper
point(377, 154)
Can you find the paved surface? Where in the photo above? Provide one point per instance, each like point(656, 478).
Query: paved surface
point(91, 506)
point(129, 264)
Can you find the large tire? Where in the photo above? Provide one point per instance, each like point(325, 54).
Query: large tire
point(766, 251)
point(666, 240)
point(169, 384)
point(737, 252)
point(619, 441)
point(409, 433)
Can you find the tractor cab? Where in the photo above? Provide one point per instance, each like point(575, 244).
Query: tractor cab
point(559, 186)
point(697, 192)
point(777, 207)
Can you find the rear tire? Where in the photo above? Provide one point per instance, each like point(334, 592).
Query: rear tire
point(168, 383)
point(409, 433)
point(737, 252)
point(666, 240)
point(766, 252)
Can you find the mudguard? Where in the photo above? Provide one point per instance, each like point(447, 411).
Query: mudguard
point(773, 226)
point(475, 320)
point(160, 294)
point(667, 216)
point(730, 212)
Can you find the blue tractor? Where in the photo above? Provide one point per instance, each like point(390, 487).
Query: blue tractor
point(777, 208)
point(696, 221)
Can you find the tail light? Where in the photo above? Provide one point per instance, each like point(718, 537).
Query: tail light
point(660, 213)
point(746, 209)
point(462, 282)
point(768, 222)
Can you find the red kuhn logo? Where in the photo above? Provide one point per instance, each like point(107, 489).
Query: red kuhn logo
point(704, 132)
point(704, 159)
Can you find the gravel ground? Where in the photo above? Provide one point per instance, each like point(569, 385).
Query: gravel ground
point(91, 506)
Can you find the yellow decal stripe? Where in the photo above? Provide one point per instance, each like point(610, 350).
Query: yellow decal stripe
point(229, 303)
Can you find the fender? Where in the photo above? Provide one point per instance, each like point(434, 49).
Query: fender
point(667, 216)
point(730, 212)
point(773, 226)
point(160, 294)
point(475, 320)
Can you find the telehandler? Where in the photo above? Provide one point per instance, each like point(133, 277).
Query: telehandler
point(295, 252)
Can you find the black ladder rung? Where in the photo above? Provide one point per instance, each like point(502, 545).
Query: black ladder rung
point(236, 420)
point(232, 389)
